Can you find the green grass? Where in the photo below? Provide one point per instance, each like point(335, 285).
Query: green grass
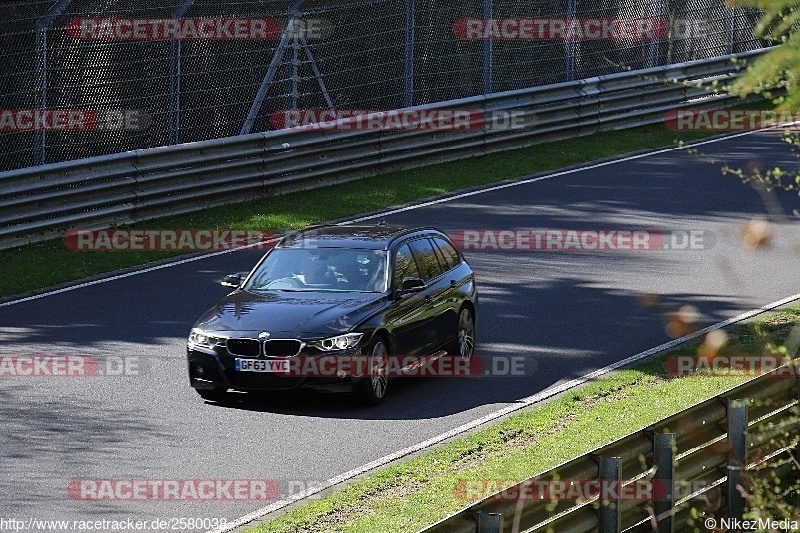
point(420, 491)
point(49, 263)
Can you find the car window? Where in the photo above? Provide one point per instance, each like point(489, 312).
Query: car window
point(320, 269)
point(450, 253)
point(405, 265)
point(426, 258)
point(442, 262)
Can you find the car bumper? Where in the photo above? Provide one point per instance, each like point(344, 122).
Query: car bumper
point(209, 369)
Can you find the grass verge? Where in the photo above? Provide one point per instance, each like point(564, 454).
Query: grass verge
point(50, 263)
point(420, 491)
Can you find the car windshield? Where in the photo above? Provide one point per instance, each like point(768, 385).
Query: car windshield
point(321, 269)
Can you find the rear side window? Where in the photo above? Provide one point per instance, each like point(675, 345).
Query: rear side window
point(404, 265)
point(439, 256)
point(426, 258)
point(450, 253)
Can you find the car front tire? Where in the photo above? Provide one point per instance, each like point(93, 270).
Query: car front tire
point(371, 389)
point(465, 337)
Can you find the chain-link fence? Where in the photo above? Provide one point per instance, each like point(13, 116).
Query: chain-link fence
point(91, 77)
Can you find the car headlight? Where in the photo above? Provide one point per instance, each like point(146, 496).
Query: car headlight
point(339, 342)
point(198, 337)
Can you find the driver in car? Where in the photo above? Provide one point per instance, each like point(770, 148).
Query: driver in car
point(315, 272)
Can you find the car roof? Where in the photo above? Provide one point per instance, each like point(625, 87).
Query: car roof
point(374, 237)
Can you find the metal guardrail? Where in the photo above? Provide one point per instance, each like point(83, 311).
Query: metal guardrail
point(710, 445)
point(42, 202)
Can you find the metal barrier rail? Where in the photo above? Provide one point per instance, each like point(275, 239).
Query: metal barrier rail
point(42, 202)
point(705, 449)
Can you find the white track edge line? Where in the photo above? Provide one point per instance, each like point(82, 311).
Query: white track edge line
point(548, 176)
point(132, 273)
point(519, 404)
point(385, 213)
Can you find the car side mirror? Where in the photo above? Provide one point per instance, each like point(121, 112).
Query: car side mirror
point(233, 281)
point(410, 285)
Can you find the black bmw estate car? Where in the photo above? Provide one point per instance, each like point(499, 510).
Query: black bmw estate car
point(366, 292)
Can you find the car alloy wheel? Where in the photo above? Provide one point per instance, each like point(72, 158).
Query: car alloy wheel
point(466, 333)
point(372, 388)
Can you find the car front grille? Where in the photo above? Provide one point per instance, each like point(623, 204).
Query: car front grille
point(272, 348)
point(244, 347)
point(282, 348)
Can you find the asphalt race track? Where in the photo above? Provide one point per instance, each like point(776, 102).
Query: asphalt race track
point(567, 313)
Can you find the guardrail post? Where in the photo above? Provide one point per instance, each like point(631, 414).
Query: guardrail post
point(737, 455)
point(795, 366)
point(489, 522)
point(664, 461)
point(796, 455)
point(608, 510)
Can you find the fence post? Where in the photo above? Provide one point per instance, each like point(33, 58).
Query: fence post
point(655, 45)
point(608, 510)
point(409, 63)
point(730, 27)
point(175, 78)
point(295, 96)
point(489, 522)
point(487, 51)
point(664, 461)
point(737, 455)
point(261, 94)
point(570, 42)
point(40, 80)
point(317, 73)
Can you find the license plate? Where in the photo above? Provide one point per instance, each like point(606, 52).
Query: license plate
point(280, 366)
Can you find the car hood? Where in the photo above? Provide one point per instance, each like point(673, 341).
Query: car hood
point(290, 314)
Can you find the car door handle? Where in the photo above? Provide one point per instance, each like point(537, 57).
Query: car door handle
point(452, 283)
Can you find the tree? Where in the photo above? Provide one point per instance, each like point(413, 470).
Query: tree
point(776, 77)
point(776, 74)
